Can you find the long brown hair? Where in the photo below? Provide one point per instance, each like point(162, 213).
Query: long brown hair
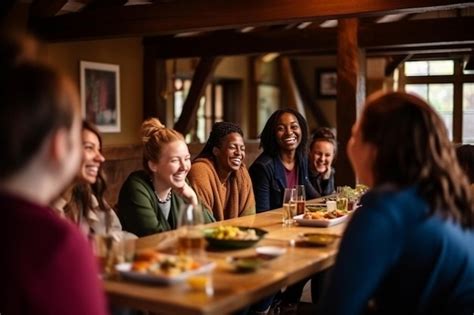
point(413, 148)
point(81, 194)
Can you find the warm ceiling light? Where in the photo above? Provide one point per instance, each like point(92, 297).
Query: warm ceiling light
point(247, 29)
point(391, 18)
point(187, 34)
point(270, 57)
point(304, 25)
point(329, 23)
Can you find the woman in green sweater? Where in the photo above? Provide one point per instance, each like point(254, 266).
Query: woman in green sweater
point(150, 199)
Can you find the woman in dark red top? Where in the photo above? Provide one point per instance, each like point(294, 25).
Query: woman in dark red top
point(46, 266)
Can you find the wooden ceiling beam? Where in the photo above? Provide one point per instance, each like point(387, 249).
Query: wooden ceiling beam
point(204, 15)
point(46, 8)
point(387, 38)
point(226, 43)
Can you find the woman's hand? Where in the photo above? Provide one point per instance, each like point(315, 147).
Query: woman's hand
point(187, 193)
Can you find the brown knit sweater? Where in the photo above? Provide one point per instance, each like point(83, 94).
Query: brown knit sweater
point(231, 199)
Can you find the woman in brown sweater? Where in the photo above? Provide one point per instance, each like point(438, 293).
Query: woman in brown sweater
point(219, 176)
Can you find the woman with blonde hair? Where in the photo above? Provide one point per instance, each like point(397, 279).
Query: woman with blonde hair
point(150, 199)
point(409, 248)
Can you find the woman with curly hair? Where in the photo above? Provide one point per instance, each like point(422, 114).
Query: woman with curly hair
point(409, 247)
point(219, 176)
point(284, 161)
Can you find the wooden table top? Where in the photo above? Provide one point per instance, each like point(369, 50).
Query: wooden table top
point(232, 291)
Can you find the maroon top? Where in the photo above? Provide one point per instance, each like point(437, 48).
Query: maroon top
point(291, 177)
point(46, 265)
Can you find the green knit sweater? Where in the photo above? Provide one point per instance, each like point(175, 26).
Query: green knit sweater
point(138, 208)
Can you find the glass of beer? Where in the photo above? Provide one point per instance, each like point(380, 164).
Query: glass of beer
point(300, 199)
point(190, 236)
point(289, 206)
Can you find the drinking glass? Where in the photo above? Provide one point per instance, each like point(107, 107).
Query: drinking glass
point(104, 247)
point(289, 206)
point(341, 199)
point(300, 199)
point(190, 235)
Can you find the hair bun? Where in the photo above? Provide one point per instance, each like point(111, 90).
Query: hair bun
point(150, 127)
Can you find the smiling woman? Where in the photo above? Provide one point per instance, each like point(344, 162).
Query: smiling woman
point(149, 199)
point(219, 175)
point(83, 202)
point(283, 163)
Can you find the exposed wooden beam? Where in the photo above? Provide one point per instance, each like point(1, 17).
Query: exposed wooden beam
point(46, 8)
point(201, 78)
point(204, 15)
point(97, 4)
point(379, 38)
point(349, 94)
point(305, 95)
point(226, 43)
point(155, 92)
point(394, 62)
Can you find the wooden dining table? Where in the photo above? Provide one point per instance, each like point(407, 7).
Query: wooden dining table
point(232, 290)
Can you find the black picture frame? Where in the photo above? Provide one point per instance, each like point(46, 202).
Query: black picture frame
point(326, 83)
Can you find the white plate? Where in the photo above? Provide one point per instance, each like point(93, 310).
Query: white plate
point(271, 250)
point(125, 270)
point(321, 222)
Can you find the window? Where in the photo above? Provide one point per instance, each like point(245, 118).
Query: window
point(449, 89)
point(440, 96)
point(210, 108)
point(468, 113)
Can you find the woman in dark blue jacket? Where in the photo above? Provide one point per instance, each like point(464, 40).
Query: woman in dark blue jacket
point(283, 162)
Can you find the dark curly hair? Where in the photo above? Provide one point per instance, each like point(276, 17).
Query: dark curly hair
point(413, 148)
point(268, 141)
point(217, 135)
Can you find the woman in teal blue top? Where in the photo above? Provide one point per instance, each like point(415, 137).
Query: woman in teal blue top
point(409, 249)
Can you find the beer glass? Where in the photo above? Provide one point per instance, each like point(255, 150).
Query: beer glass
point(190, 236)
point(300, 199)
point(289, 206)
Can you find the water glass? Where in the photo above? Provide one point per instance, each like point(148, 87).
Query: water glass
point(289, 205)
point(300, 199)
point(341, 199)
point(190, 236)
point(126, 246)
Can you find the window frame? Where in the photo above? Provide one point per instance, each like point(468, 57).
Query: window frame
point(457, 79)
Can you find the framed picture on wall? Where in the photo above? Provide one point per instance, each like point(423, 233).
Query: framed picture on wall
point(326, 83)
point(100, 95)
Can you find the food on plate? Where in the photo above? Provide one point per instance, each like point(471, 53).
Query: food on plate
point(160, 264)
point(319, 239)
point(227, 232)
point(324, 215)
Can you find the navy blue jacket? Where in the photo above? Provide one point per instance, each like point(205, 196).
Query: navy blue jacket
point(407, 261)
point(269, 181)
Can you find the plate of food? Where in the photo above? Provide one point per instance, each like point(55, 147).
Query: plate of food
point(233, 237)
point(318, 239)
point(322, 218)
point(158, 268)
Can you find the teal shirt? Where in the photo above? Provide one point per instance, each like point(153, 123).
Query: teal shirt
point(138, 208)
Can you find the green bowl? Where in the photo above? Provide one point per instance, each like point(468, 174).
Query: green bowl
point(232, 243)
